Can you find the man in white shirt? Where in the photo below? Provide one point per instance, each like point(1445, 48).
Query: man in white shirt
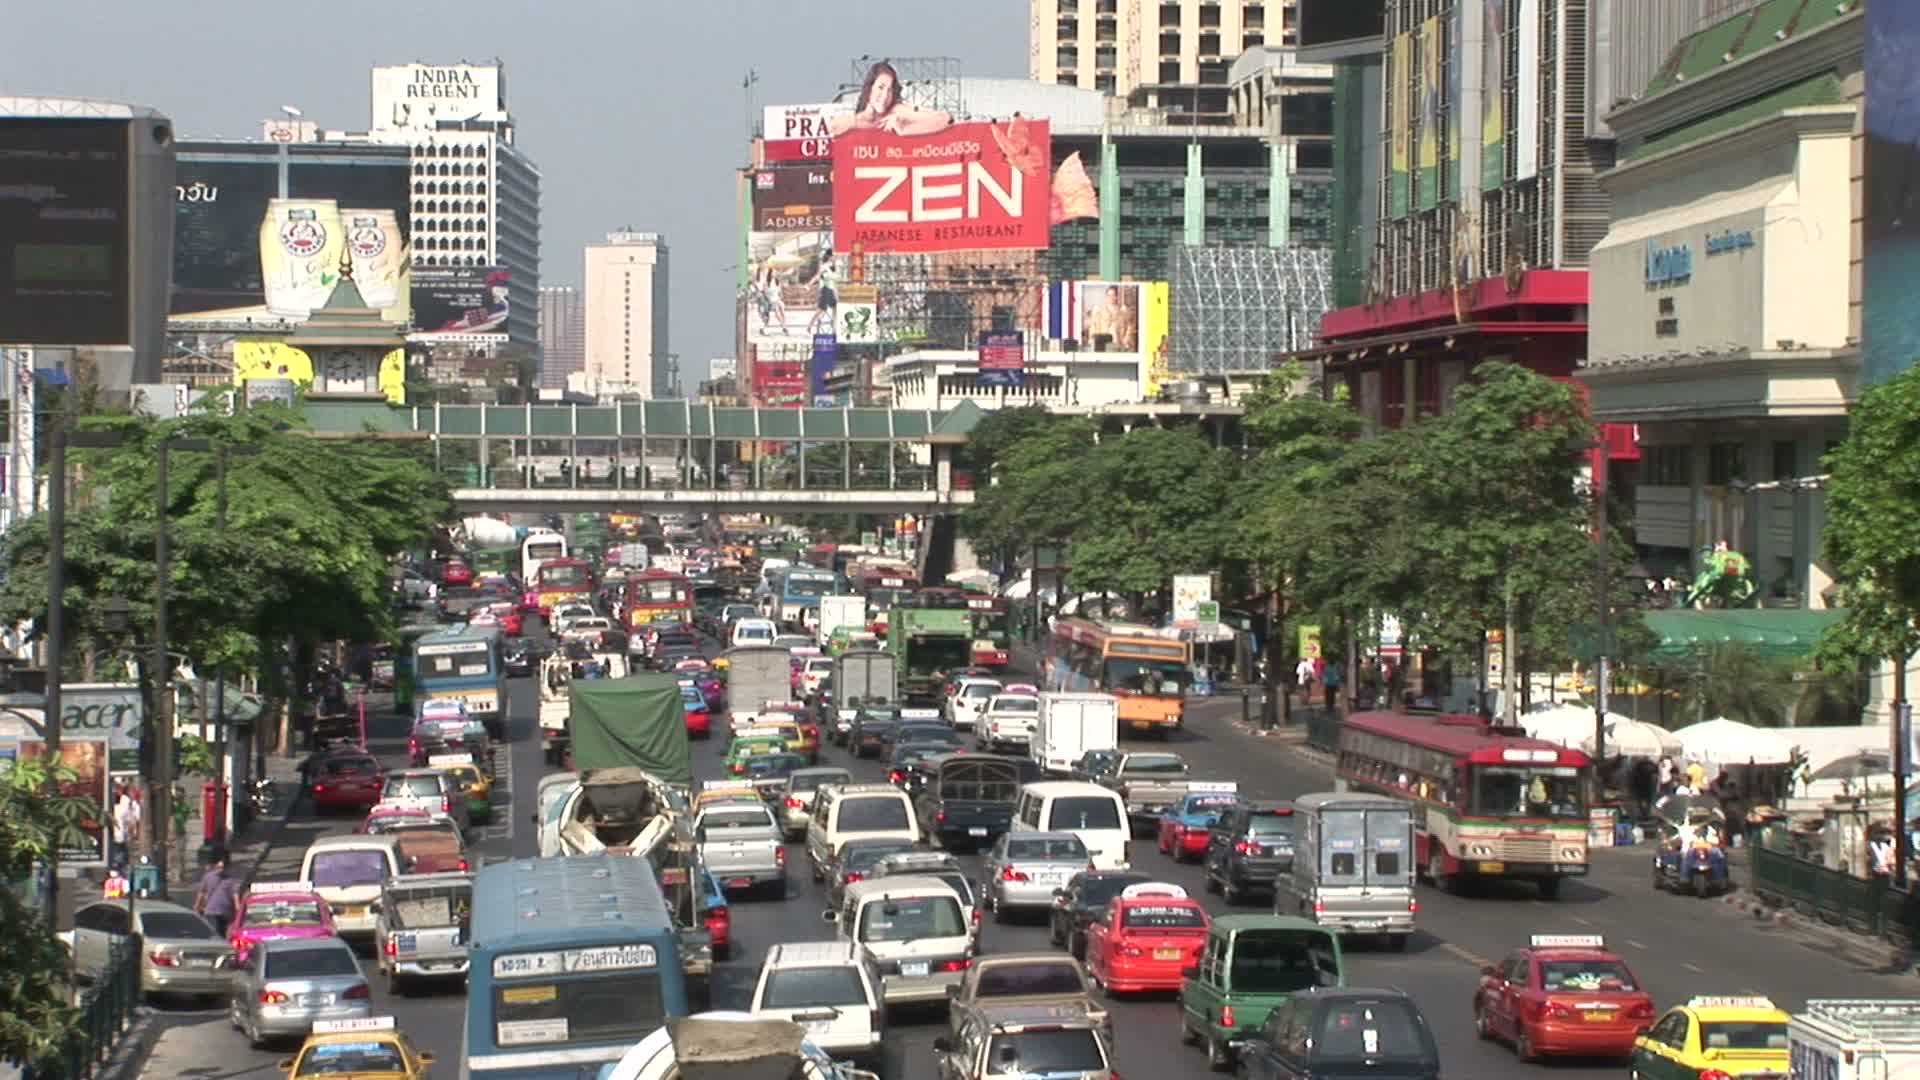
point(126, 822)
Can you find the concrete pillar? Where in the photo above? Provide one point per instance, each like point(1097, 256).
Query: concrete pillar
point(1109, 210)
point(1194, 203)
point(1279, 196)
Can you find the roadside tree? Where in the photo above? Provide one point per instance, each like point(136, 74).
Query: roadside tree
point(1872, 535)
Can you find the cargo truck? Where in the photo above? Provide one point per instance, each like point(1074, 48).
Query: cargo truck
point(838, 611)
point(1854, 1039)
point(860, 677)
point(927, 644)
point(756, 674)
point(1070, 725)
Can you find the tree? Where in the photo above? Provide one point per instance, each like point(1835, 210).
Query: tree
point(1872, 541)
point(35, 1018)
point(1736, 681)
point(1031, 500)
point(1154, 506)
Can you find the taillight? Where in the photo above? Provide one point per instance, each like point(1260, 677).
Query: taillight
point(1010, 874)
point(163, 959)
point(1226, 1016)
point(939, 817)
point(976, 916)
point(1319, 908)
point(780, 856)
point(1716, 1074)
point(1413, 905)
point(855, 875)
point(463, 864)
point(895, 776)
point(357, 993)
point(391, 948)
point(446, 805)
point(1642, 1011)
point(318, 788)
point(1126, 852)
point(1245, 847)
point(795, 804)
point(1132, 950)
point(272, 997)
point(956, 965)
point(719, 921)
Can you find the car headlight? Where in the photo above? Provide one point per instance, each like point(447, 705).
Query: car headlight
point(1480, 851)
point(1572, 854)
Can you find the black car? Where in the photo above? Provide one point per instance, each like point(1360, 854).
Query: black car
point(907, 764)
point(857, 859)
point(1250, 848)
point(769, 772)
point(1082, 901)
point(870, 727)
point(1094, 764)
point(520, 657)
point(1327, 1033)
point(918, 731)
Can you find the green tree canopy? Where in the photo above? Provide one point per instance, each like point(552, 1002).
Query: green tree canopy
point(35, 1018)
point(1152, 503)
point(1872, 536)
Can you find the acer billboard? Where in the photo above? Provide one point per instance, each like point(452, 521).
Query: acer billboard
point(966, 187)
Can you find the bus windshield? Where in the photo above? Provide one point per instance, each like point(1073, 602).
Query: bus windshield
point(809, 585)
point(659, 592)
point(991, 625)
point(883, 599)
point(1521, 791)
point(563, 576)
point(469, 660)
point(1148, 676)
point(626, 1006)
point(939, 655)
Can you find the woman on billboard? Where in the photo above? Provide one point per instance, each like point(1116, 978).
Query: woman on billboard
point(881, 109)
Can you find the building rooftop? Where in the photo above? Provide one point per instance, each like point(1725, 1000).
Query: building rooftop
point(1768, 25)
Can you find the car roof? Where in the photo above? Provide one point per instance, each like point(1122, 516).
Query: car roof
point(146, 906)
point(351, 840)
point(1021, 1016)
point(847, 791)
point(904, 885)
point(297, 944)
point(1043, 834)
point(1048, 788)
point(410, 773)
point(822, 770)
point(1236, 924)
point(813, 954)
point(1582, 952)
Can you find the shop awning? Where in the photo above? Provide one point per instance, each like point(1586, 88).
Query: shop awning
point(1784, 633)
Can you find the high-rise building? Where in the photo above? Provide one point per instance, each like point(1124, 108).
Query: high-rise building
point(1118, 46)
point(626, 318)
point(476, 197)
point(563, 335)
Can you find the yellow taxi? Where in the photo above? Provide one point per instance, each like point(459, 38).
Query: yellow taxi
point(719, 791)
point(370, 1048)
point(470, 780)
point(1714, 1038)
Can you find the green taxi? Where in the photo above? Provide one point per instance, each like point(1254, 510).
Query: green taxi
point(748, 746)
point(1251, 964)
point(844, 638)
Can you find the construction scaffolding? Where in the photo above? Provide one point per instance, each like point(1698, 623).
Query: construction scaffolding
point(946, 300)
point(1235, 308)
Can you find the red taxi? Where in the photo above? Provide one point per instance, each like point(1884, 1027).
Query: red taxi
point(456, 573)
point(507, 616)
point(278, 911)
point(1562, 994)
point(350, 781)
point(694, 704)
point(1146, 936)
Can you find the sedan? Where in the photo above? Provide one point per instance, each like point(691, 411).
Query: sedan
point(857, 860)
point(919, 732)
point(284, 986)
point(1085, 897)
point(1022, 870)
point(181, 948)
point(347, 782)
point(904, 768)
point(699, 716)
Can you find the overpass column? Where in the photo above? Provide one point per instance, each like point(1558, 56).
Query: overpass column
point(942, 468)
point(484, 463)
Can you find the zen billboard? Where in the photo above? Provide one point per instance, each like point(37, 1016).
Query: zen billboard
point(921, 184)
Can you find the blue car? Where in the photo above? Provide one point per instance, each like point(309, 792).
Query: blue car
point(1185, 825)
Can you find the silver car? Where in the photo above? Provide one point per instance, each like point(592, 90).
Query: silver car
point(181, 948)
point(284, 986)
point(1022, 870)
point(795, 800)
point(935, 864)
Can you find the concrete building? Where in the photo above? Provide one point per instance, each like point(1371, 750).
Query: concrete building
point(1057, 381)
point(627, 318)
point(1119, 46)
point(563, 335)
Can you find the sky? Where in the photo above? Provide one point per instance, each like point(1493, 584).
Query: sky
point(632, 109)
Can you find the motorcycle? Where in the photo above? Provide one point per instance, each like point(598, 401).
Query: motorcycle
point(1691, 857)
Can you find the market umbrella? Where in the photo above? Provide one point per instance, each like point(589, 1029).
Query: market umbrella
point(1729, 742)
point(1567, 724)
point(1856, 766)
point(1635, 738)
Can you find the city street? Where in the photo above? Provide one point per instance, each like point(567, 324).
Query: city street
point(1678, 946)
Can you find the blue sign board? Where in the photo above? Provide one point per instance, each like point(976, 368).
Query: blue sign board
point(825, 352)
point(1668, 265)
point(1003, 359)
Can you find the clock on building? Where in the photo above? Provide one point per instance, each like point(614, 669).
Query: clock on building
point(343, 370)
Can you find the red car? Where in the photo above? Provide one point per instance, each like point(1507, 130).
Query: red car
point(278, 911)
point(347, 782)
point(1562, 994)
point(507, 615)
point(1150, 932)
point(699, 719)
point(456, 573)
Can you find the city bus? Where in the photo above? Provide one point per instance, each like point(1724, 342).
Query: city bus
point(538, 548)
point(559, 581)
point(574, 959)
point(657, 596)
point(884, 584)
point(1489, 802)
point(462, 663)
point(1149, 673)
point(992, 630)
point(799, 588)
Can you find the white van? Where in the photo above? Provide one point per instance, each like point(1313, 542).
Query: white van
point(830, 988)
point(348, 872)
point(752, 632)
point(915, 931)
point(1097, 815)
point(845, 812)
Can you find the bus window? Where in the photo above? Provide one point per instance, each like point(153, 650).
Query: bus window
point(1514, 791)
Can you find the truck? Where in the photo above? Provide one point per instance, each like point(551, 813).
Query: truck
point(756, 674)
point(744, 845)
point(424, 927)
point(861, 677)
point(1352, 866)
point(928, 643)
point(838, 611)
point(1149, 782)
point(1070, 725)
point(555, 708)
point(1854, 1039)
point(968, 800)
point(628, 739)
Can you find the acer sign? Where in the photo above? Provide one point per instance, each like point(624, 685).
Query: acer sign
point(971, 187)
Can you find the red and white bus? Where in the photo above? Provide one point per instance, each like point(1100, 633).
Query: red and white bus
point(992, 624)
point(559, 581)
point(656, 596)
point(1488, 802)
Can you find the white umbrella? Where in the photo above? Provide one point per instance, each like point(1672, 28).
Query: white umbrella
point(1633, 738)
point(1729, 742)
point(1563, 724)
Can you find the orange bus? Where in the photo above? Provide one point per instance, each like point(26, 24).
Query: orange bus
point(1147, 672)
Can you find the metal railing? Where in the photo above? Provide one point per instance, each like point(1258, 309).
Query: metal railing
point(1323, 726)
point(106, 1011)
point(1869, 906)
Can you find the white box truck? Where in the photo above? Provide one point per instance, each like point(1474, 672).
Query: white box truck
point(1855, 1039)
point(838, 611)
point(1072, 724)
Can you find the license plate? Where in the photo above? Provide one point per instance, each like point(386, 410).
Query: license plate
point(1166, 954)
point(316, 999)
point(739, 883)
point(1596, 1017)
point(1367, 924)
point(818, 1027)
point(977, 830)
point(914, 969)
point(356, 911)
point(404, 943)
point(1493, 868)
point(197, 961)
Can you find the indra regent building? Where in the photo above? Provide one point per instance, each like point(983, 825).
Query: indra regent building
point(1724, 317)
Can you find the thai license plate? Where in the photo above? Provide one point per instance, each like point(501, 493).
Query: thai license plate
point(739, 883)
point(1596, 1017)
point(316, 999)
point(405, 943)
point(1493, 868)
point(1166, 954)
point(197, 961)
point(976, 830)
point(914, 969)
point(818, 1027)
point(1368, 924)
point(356, 911)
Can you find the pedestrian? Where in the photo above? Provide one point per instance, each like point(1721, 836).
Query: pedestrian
point(1303, 676)
point(126, 824)
point(1666, 775)
point(1696, 776)
point(214, 898)
point(1330, 683)
point(1880, 855)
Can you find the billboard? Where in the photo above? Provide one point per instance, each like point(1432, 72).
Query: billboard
point(791, 198)
point(1526, 119)
point(1156, 321)
point(792, 279)
point(1399, 123)
point(799, 132)
point(260, 360)
point(779, 377)
point(1102, 316)
point(1323, 22)
point(826, 351)
point(420, 97)
point(1493, 120)
point(65, 234)
point(461, 299)
point(944, 187)
point(1189, 592)
point(1890, 233)
point(1430, 91)
point(88, 758)
point(1003, 358)
point(857, 315)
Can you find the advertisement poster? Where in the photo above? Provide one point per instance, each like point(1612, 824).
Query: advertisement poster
point(793, 198)
point(1102, 316)
point(1890, 233)
point(799, 132)
point(414, 97)
point(461, 299)
point(88, 759)
point(1189, 592)
point(858, 322)
point(1456, 116)
point(1156, 321)
point(1399, 124)
point(825, 352)
point(792, 279)
point(780, 379)
point(64, 244)
point(1493, 109)
point(1003, 359)
point(257, 360)
point(1526, 113)
point(1430, 91)
point(1310, 643)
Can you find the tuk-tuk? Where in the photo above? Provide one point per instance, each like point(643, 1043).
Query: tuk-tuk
point(1352, 865)
point(1251, 965)
point(1691, 855)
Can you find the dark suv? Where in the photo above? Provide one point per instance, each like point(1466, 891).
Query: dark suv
point(1341, 1033)
point(1250, 848)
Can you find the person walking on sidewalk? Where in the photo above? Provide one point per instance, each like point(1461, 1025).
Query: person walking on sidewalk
point(1330, 683)
point(126, 825)
point(1303, 675)
point(214, 898)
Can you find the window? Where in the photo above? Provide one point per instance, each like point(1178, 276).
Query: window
point(1503, 791)
point(1085, 812)
point(351, 1058)
point(1065, 847)
point(1281, 962)
point(174, 924)
point(1068, 1050)
point(1586, 976)
point(345, 869)
point(417, 786)
point(911, 918)
point(1743, 1035)
point(1668, 466)
point(1021, 980)
point(598, 1008)
point(806, 988)
point(1726, 462)
point(1163, 917)
point(282, 913)
point(311, 963)
point(1372, 1031)
point(874, 814)
point(1786, 459)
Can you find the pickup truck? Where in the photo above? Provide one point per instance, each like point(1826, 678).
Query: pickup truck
point(1149, 783)
point(423, 927)
point(968, 801)
point(1034, 978)
point(554, 707)
point(744, 846)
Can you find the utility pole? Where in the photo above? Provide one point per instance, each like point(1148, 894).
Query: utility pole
point(162, 680)
point(1603, 616)
point(56, 628)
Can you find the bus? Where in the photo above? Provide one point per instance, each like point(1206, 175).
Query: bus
point(574, 959)
point(1489, 802)
point(538, 548)
point(992, 630)
point(462, 663)
point(884, 584)
point(657, 596)
point(560, 581)
point(1149, 673)
point(797, 588)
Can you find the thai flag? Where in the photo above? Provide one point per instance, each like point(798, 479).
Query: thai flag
point(1062, 310)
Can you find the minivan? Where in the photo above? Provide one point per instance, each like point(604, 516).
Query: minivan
point(1097, 815)
point(847, 811)
point(914, 929)
point(830, 988)
point(348, 872)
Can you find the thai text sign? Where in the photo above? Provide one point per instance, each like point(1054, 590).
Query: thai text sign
point(970, 187)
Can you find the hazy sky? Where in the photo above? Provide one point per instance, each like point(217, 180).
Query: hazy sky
point(633, 110)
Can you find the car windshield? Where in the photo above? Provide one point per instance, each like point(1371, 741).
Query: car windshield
point(1007, 704)
point(310, 963)
point(937, 733)
point(1061, 848)
point(1519, 791)
point(979, 690)
point(352, 767)
point(1743, 1035)
point(1068, 1050)
point(1282, 961)
point(879, 814)
point(1276, 827)
point(814, 783)
point(175, 924)
point(774, 764)
point(333, 1059)
point(1372, 1031)
point(1084, 812)
point(344, 869)
point(918, 752)
point(1097, 890)
point(418, 786)
point(808, 988)
point(1163, 917)
point(866, 856)
point(744, 818)
point(1586, 976)
point(1022, 980)
point(754, 633)
point(1155, 764)
point(1148, 676)
point(283, 913)
point(911, 918)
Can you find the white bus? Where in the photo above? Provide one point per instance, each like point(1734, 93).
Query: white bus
point(536, 549)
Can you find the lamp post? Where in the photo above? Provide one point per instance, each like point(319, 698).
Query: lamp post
point(285, 158)
point(221, 741)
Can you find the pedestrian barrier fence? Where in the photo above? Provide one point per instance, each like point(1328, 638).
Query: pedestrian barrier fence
point(106, 1010)
point(1870, 906)
point(1323, 728)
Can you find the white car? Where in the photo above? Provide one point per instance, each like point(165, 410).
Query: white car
point(830, 988)
point(654, 1057)
point(816, 671)
point(1008, 720)
point(968, 699)
point(566, 613)
point(753, 632)
point(586, 628)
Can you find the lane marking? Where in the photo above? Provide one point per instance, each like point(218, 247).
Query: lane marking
point(1692, 968)
point(1635, 944)
point(1472, 958)
point(1582, 922)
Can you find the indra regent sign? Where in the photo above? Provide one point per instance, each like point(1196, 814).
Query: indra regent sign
point(1668, 265)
